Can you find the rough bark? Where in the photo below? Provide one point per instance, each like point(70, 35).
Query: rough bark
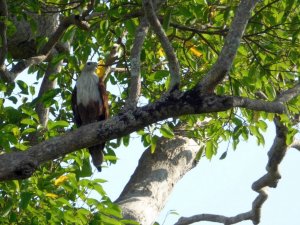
point(148, 189)
point(173, 105)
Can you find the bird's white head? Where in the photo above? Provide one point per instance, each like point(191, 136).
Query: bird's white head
point(90, 67)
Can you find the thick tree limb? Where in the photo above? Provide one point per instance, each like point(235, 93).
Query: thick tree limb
point(155, 177)
point(232, 42)
point(3, 28)
point(135, 65)
point(168, 49)
point(270, 179)
point(173, 105)
point(289, 94)
point(43, 54)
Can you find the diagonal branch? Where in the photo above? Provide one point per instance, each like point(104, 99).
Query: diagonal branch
point(229, 50)
point(43, 54)
point(135, 65)
point(47, 85)
point(161, 35)
point(20, 165)
point(289, 94)
point(3, 28)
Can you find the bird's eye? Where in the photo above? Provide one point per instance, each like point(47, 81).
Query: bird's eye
point(88, 63)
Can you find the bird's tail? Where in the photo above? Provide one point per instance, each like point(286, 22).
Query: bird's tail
point(96, 153)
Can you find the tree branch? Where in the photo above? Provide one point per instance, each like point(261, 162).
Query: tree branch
point(43, 54)
point(295, 145)
point(275, 154)
point(232, 42)
point(155, 177)
point(135, 67)
point(289, 94)
point(113, 55)
point(16, 165)
point(46, 85)
point(161, 35)
point(214, 218)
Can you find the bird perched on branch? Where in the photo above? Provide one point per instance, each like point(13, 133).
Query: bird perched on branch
point(90, 104)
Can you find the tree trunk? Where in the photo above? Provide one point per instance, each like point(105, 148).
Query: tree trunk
point(148, 189)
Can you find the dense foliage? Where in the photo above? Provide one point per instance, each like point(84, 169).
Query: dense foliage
point(267, 63)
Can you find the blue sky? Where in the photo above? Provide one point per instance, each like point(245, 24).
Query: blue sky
point(221, 186)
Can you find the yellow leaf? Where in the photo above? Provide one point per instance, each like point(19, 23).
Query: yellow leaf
point(51, 195)
point(189, 44)
point(161, 52)
point(100, 71)
point(60, 180)
point(195, 52)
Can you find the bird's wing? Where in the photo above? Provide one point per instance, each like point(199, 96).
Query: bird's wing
point(74, 105)
point(104, 97)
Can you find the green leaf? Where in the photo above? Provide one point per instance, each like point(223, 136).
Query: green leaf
point(7, 208)
point(153, 143)
point(32, 90)
point(86, 169)
point(23, 86)
point(57, 124)
point(166, 131)
point(209, 150)
point(48, 97)
point(131, 26)
point(109, 220)
point(28, 131)
point(28, 121)
point(290, 136)
point(28, 110)
point(13, 116)
point(13, 99)
point(166, 21)
point(223, 156)
point(200, 153)
point(262, 125)
point(126, 140)
point(25, 199)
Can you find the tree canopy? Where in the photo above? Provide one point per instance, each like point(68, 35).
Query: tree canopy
point(201, 71)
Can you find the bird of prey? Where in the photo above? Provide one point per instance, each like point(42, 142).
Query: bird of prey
point(90, 104)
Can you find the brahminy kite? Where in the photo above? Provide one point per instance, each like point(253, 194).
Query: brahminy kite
point(90, 104)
